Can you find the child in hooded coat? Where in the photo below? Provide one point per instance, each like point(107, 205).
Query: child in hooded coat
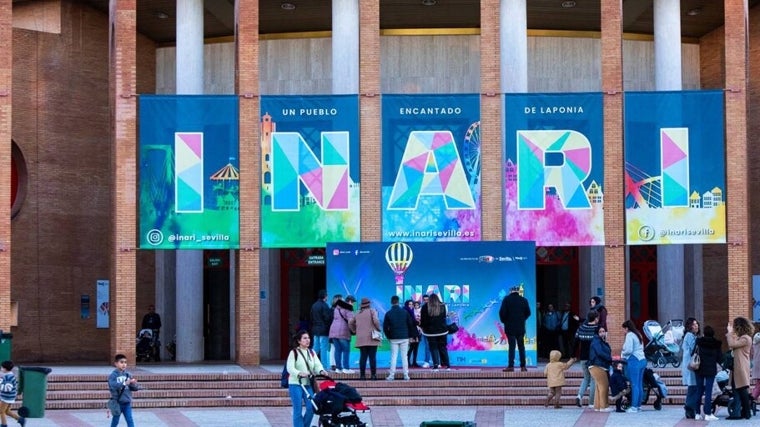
point(555, 377)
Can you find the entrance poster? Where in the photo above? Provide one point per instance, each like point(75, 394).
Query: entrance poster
point(431, 168)
point(309, 170)
point(471, 278)
point(189, 172)
point(554, 169)
point(675, 173)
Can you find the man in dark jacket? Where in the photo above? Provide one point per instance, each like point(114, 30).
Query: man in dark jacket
point(581, 345)
point(321, 318)
point(398, 326)
point(513, 313)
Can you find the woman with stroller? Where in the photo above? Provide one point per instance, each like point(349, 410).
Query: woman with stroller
point(302, 363)
point(599, 360)
point(710, 355)
point(688, 377)
point(739, 339)
point(363, 324)
point(633, 354)
point(433, 322)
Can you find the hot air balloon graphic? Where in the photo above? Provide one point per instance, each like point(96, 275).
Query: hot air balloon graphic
point(399, 257)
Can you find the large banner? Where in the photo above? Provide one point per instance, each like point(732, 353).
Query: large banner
point(554, 169)
point(189, 184)
point(309, 170)
point(431, 168)
point(675, 173)
point(471, 278)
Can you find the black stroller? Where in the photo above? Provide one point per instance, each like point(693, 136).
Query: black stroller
point(654, 385)
point(147, 347)
point(337, 404)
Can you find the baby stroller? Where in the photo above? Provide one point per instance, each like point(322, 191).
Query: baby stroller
point(664, 344)
point(724, 396)
point(146, 346)
point(337, 404)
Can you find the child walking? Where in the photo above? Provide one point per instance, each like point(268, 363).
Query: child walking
point(121, 384)
point(555, 377)
point(8, 391)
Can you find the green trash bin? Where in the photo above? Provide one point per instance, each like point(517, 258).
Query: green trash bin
point(33, 384)
point(5, 346)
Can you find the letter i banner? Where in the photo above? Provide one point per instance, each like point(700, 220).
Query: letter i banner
point(189, 172)
point(309, 170)
point(675, 167)
point(431, 168)
point(554, 169)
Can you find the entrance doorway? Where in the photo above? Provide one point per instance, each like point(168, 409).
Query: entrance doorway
point(557, 277)
point(216, 303)
point(303, 274)
point(643, 277)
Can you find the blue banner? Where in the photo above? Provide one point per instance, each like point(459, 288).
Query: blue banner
point(189, 176)
point(310, 170)
point(554, 169)
point(431, 168)
point(471, 278)
point(675, 173)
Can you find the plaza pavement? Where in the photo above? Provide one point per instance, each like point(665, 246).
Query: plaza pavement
point(379, 416)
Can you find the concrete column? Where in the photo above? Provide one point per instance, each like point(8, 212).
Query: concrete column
point(591, 266)
point(166, 294)
point(189, 294)
point(513, 32)
point(667, 71)
point(345, 46)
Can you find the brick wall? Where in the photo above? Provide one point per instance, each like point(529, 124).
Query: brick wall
point(62, 235)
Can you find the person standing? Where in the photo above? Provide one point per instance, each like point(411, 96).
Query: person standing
point(340, 334)
point(710, 355)
point(433, 323)
point(321, 319)
point(596, 304)
point(363, 324)
point(583, 337)
point(302, 364)
point(8, 392)
point(739, 339)
point(568, 322)
point(121, 384)
point(755, 374)
point(633, 354)
point(424, 346)
point(414, 340)
point(555, 377)
point(551, 328)
point(398, 326)
point(513, 313)
point(688, 377)
point(600, 360)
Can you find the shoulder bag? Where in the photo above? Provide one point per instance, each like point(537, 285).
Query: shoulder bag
point(113, 404)
point(695, 360)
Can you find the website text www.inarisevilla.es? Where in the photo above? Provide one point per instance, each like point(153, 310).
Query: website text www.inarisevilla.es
point(431, 233)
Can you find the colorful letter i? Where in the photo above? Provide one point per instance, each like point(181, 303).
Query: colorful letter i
point(188, 172)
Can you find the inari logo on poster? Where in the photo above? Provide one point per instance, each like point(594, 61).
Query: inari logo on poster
point(294, 165)
point(431, 167)
point(448, 293)
point(552, 159)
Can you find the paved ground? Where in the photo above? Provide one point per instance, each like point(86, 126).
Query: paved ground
point(381, 416)
point(484, 416)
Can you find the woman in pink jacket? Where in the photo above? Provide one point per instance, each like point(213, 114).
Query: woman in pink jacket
point(340, 334)
point(363, 324)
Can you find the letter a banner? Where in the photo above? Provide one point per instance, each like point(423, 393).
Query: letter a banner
point(309, 170)
point(189, 185)
point(554, 169)
point(431, 168)
point(675, 173)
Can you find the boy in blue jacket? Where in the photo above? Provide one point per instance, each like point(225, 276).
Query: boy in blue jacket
point(8, 391)
point(121, 384)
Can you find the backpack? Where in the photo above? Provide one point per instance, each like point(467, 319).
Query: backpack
point(285, 374)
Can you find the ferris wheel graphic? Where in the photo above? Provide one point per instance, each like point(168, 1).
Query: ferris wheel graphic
point(471, 152)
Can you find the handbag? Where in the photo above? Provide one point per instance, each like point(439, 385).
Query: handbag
point(452, 328)
point(113, 404)
point(377, 335)
point(695, 360)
